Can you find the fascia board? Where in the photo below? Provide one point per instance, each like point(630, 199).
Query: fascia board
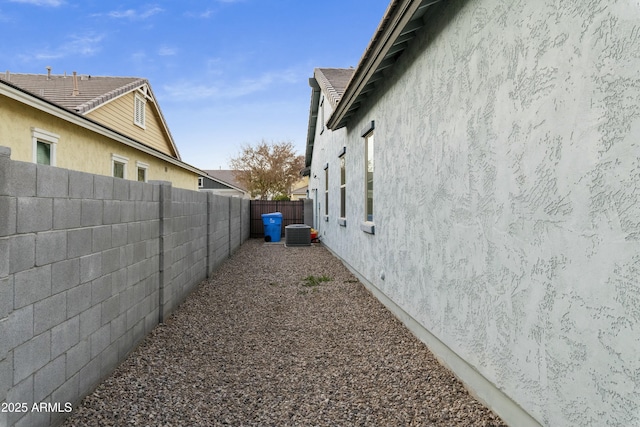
point(397, 17)
point(313, 118)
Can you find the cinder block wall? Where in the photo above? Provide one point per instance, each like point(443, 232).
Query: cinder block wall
point(88, 266)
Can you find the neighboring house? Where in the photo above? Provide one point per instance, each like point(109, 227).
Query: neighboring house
point(300, 189)
point(103, 125)
point(299, 193)
point(223, 182)
point(490, 196)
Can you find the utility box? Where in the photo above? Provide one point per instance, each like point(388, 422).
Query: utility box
point(297, 235)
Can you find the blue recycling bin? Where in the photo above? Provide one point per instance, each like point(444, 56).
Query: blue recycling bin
point(272, 226)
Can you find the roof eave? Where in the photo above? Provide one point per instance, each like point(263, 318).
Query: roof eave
point(402, 19)
point(223, 182)
point(313, 119)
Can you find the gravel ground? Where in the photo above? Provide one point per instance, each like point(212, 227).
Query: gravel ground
point(262, 343)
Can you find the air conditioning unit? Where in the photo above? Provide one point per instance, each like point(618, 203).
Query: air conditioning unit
point(297, 235)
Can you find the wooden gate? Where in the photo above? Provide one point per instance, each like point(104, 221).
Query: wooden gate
point(292, 213)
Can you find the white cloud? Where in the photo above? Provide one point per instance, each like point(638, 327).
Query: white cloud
point(204, 15)
point(133, 14)
point(53, 3)
point(167, 51)
point(231, 89)
point(83, 45)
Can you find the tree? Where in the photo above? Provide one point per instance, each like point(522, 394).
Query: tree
point(268, 169)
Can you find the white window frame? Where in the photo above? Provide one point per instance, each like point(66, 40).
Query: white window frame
point(139, 111)
point(119, 159)
point(145, 167)
point(342, 218)
point(326, 192)
point(368, 225)
point(46, 137)
point(322, 115)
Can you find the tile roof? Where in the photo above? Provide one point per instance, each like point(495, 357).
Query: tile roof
point(226, 176)
point(301, 190)
point(333, 81)
point(59, 89)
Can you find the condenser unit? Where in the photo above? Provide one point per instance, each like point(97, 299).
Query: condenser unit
point(297, 235)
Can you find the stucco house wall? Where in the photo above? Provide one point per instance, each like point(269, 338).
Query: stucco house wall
point(506, 199)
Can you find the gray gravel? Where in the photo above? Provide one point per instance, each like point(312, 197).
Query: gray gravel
point(261, 343)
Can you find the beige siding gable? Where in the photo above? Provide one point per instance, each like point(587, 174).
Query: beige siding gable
point(119, 115)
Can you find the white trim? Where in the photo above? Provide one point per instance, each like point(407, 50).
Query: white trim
point(119, 159)
point(368, 227)
point(41, 135)
point(139, 110)
point(321, 108)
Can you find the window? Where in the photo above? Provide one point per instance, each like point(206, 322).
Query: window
point(119, 166)
point(343, 186)
point(142, 171)
point(369, 177)
point(139, 111)
point(322, 115)
point(43, 153)
point(326, 191)
point(44, 146)
point(367, 134)
point(200, 182)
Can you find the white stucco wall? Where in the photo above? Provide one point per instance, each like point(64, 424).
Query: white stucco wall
point(507, 198)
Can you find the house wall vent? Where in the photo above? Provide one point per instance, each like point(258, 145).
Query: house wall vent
point(297, 235)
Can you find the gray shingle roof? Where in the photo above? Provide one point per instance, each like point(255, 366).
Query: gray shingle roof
point(92, 90)
point(333, 81)
point(226, 176)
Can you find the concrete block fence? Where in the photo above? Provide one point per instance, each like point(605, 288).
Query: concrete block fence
point(88, 266)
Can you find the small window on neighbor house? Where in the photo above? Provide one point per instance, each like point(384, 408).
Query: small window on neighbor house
point(43, 153)
point(44, 146)
point(139, 111)
point(200, 182)
point(118, 170)
point(119, 166)
point(142, 171)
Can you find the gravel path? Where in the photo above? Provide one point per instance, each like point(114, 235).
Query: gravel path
point(262, 343)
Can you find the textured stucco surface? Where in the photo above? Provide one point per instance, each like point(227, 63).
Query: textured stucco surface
point(506, 198)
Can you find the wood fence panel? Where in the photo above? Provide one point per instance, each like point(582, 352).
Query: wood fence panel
point(292, 213)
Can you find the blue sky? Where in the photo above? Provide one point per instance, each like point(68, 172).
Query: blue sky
point(224, 72)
